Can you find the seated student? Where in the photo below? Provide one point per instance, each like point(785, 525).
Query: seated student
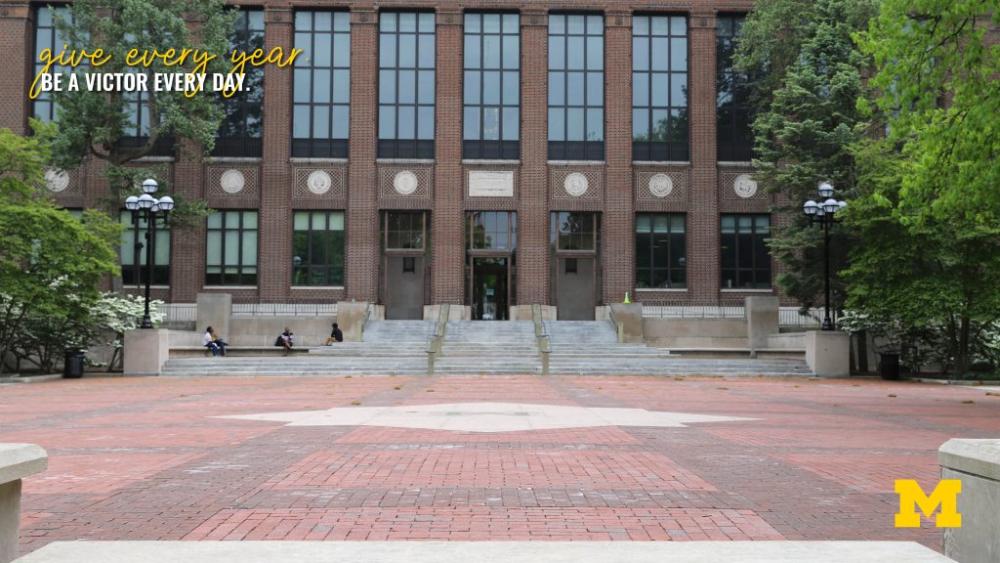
point(286, 340)
point(336, 336)
point(215, 344)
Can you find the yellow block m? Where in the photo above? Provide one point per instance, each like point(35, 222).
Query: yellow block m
point(945, 496)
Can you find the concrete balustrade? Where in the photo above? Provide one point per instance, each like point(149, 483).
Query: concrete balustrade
point(976, 463)
point(17, 461)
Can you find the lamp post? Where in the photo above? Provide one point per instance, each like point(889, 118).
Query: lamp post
point(150, 209)
point(824, 213)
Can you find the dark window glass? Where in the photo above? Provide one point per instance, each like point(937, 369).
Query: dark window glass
point(659, 88)
point(492, 230)
point(575, 230)
point(321, 84)
point(734, 112)
point(576, 87)
point(231, 248)
point(492, 85)
point(240, 131)
point(746, 262)
point(406, 85)
point(660, 251)
point(133, 233)
point(48, 37)
point(318, 248)
point(405, 230)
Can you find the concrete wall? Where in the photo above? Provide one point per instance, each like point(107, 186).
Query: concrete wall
point(523, 313)
point(976, 463)
point(629, 316)
point(828, 353)
point(261, 331)
point(696, 333)
point(146, 350)
point(787, 341)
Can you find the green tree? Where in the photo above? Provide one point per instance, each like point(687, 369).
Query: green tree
point(806, 77)
point(100, 124)
point(50, 262)
point(930, 212)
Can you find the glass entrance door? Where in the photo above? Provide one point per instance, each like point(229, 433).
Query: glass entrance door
point(490, 277)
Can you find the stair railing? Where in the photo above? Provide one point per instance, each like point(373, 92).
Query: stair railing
point(616, 324)
point(437, 339)
point(541, 337)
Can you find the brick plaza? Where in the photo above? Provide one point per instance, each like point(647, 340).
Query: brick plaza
point(150, 459)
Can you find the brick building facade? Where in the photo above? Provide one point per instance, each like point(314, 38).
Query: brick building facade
point(573, 210)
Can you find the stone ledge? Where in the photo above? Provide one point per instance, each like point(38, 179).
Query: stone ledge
point(18, 461)
point(506, 551)
point(980, 457)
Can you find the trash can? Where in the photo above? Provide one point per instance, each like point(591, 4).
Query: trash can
point(73, 365)
point(889, 365)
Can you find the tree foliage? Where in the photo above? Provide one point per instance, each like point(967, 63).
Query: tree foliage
point(99, 124)
point(929, 211)
point(50, 262)
point(806, 78)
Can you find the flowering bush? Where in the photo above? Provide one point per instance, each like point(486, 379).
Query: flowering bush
point(117, 313)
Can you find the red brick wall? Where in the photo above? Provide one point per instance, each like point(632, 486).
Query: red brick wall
point(700, 187)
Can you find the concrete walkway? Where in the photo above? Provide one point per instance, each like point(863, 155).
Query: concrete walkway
point(491, 458)
point(492, 552)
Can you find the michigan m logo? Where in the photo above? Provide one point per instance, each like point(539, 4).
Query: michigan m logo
point(945, 496)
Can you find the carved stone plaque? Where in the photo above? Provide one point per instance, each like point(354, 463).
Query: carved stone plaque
point(491, 184)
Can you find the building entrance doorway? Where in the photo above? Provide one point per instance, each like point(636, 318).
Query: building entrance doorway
point(490, 280)
point(404, 284)
point(491, 240)
point(575, 264)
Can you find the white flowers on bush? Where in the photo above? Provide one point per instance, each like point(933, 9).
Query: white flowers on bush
point(119, 312)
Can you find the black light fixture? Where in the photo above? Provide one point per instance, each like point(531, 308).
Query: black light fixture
point(149, 209)
point(824, 213)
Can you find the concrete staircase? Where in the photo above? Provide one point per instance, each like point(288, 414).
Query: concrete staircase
point(489, 347)
point(592, 348)
point(483, 347)
point(388, 348)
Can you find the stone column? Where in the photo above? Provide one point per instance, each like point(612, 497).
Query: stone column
point(976, 464)
point(703, 208)
point(16, 462)
point(146, 350)
point(274, 235)
point(448, 242)
point(215, 310)
point(762, 320)
point(618, 244)
point(15, 43)
point(533, 201)
point(362, 198)
point(828, 353)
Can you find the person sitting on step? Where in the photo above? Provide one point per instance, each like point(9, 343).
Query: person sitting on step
point(336, 336)
point(213, 342)
point(286, 340)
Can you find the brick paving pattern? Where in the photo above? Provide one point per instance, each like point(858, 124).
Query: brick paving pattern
point(148, 459)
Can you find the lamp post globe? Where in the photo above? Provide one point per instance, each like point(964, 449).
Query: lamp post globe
point(146, 201)
point(149, 186)
point(831, 206)
point(132, 203)
point(166, 203)
point(810, 207)
point(825, 190)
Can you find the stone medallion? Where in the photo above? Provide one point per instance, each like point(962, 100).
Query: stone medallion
point(56, 180)
point(319, 182)
point(576, 184)
point(660, 185)
point(745, 186)
point(405, 182)
point(232, 181)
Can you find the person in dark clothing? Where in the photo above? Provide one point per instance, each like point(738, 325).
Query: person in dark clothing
point(336, 336)
point(286, 340)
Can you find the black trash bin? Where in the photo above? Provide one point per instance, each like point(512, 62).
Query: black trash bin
point(73, 365)
point(889, 366)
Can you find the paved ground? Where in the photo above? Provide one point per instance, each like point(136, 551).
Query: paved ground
point(162, 458)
